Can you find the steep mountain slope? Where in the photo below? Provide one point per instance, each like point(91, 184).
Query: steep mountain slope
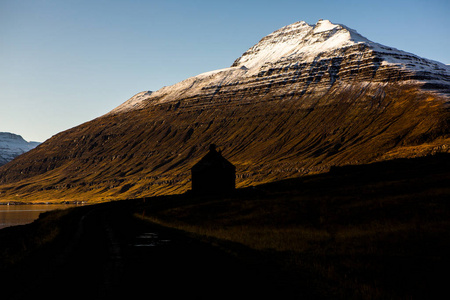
point(305, 98)
point(13, 145)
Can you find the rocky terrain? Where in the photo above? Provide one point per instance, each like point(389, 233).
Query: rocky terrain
point(305, 98)
point(13, 145)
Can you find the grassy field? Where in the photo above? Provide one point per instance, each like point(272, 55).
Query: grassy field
point(380, 231)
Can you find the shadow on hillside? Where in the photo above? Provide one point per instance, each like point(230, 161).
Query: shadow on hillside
point(422, 170)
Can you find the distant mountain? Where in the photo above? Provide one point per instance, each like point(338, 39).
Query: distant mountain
point(13, 145)
point(303, 99)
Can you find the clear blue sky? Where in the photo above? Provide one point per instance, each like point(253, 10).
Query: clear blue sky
point(65, 62)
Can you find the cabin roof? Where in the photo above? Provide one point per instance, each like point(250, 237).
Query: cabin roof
point(213, 159)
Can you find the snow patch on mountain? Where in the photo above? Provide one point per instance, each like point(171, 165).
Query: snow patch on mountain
point(134, 102)
point(188, 87)
point(194, 85)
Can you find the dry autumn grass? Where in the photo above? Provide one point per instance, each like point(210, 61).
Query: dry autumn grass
point(149, 152)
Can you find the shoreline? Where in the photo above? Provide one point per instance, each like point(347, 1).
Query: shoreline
point(47, 203)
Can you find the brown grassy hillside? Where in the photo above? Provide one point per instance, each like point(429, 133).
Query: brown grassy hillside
point(150, 151)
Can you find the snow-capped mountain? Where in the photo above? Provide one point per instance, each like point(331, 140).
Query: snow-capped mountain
point(303, 99)
point(13, 145)
point(312, 56)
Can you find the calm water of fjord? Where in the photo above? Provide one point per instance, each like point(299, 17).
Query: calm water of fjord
point(12, 215)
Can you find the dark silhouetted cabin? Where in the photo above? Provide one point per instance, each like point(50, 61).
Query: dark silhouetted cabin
point(213, 174)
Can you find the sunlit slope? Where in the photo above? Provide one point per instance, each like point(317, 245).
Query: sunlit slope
point(151, 151)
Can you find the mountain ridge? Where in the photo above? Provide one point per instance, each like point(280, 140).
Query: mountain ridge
point(277, 119)
point(305, 43)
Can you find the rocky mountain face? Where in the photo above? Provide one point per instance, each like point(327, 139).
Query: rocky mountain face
point(13, 145)
point(305, 98)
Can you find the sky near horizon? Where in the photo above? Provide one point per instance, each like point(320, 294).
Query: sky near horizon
point(63, 63)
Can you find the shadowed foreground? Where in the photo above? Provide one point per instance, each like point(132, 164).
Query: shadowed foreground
point(380, 231)
point(105, 253)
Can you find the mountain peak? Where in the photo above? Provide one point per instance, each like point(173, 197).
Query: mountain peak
point(302, 40)
point(324, 25)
